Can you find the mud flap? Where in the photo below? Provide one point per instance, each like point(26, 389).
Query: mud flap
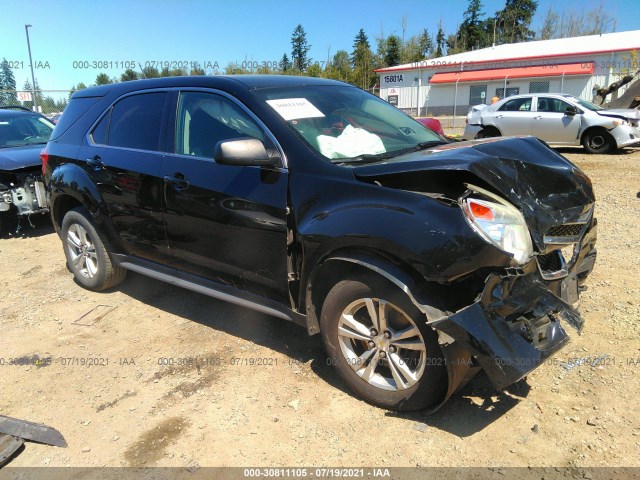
point(512, 328)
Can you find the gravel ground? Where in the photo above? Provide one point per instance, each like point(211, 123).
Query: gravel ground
point(124, 391)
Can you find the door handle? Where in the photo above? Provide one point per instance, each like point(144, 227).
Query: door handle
point(538, 117)
point(177, 181)
point(499, 116)
point(94, 162)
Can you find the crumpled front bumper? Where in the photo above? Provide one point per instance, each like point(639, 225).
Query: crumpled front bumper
point(516, 322)
point(626, 135)
point(512, 328)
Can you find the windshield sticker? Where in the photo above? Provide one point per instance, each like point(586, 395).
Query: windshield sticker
point(295, 108)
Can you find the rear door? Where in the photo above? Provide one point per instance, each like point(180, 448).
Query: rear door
point(514, 117)
point(552, 124)
point(124, 157)
point(224, 223)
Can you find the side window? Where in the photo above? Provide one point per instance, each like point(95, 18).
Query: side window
point(99, 134)
point(517, 105)
point(552, 105)
point(204, 119)
point(136, 121)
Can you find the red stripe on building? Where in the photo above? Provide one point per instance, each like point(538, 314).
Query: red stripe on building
point(521, 72)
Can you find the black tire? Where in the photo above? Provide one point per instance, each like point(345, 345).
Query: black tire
point(598, 141)
point(431, 385)
point(88, 257)
point(488, 132)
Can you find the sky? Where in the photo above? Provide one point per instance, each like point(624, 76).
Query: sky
point(69, 38)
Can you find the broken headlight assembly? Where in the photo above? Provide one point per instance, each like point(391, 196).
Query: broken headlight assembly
point(498, 222)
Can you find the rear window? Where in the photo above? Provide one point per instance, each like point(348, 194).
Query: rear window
point(136, 121)
point(76, 108)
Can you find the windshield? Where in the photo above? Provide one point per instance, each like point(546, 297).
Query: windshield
point(588, 105)
point(342, 122)
point(21, 130)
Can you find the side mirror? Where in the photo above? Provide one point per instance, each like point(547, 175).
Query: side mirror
point(571, 111)
point(243, 152)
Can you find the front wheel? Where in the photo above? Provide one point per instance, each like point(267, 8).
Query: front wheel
point(381, 346)
point(598, 141)
point(86, 252)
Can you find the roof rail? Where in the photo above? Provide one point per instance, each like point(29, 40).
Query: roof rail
point(14, 107)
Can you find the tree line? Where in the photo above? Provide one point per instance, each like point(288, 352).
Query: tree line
point(511, 24)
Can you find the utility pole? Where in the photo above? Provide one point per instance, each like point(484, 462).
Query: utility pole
point(33, 77)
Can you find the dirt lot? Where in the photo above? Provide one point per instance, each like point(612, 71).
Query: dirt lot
point(124, 391)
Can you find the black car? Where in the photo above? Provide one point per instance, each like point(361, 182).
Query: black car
point(23, 134)
point(419, 262)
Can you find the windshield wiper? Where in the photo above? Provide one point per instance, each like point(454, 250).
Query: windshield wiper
point(364, 158)
point(432, 143)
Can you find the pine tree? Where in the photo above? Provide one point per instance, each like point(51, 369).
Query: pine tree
point(7, 84)
point(425, 45)
point(103, 79)
point(300, 49)
point(513, 21)
point(129, 75)
point(362, 59)
point(285, 64)
point(440, 38)
point(392, 53)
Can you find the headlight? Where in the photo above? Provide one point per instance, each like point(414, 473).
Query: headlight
point(500, 224)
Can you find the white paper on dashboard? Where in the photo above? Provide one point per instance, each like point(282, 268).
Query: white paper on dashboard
point(295, 108)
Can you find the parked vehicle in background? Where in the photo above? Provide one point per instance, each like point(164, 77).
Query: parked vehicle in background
point(432, 123)
point(22, 136)
point(558, 119)
point(419, 261)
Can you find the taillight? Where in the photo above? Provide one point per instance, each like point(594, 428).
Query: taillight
point(44, 158)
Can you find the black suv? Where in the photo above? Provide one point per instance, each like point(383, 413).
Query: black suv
point(420, 262)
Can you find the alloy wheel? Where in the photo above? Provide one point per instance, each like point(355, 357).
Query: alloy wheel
point(382, 344)
point(82, 251)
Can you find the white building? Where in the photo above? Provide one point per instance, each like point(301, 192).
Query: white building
point(449, 85)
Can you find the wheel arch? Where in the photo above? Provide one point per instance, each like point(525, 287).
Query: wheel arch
point(341, 263)
point(459, 364)
point(71, 187)
point(491, 127)
point(594, 128)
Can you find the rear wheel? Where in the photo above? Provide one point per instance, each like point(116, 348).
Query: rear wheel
point(598, 141)
point(86, 252)
point(380, 345)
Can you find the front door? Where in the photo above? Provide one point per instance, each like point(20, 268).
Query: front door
point(553, 125)
point(224, 223)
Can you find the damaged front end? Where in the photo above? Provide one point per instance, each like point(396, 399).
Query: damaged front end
point(542, 219)
point(22, 194)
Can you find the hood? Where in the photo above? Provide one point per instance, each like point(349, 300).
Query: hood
point(15, 158)
point(620, 113)
point(548, 189)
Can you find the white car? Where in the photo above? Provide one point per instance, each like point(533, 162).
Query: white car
point(558, 119)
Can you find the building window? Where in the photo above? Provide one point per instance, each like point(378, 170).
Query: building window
point(477, 94)
point(539, 87)
point(510, 91)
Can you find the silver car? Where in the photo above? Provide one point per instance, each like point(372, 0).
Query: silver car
point(558, 119)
